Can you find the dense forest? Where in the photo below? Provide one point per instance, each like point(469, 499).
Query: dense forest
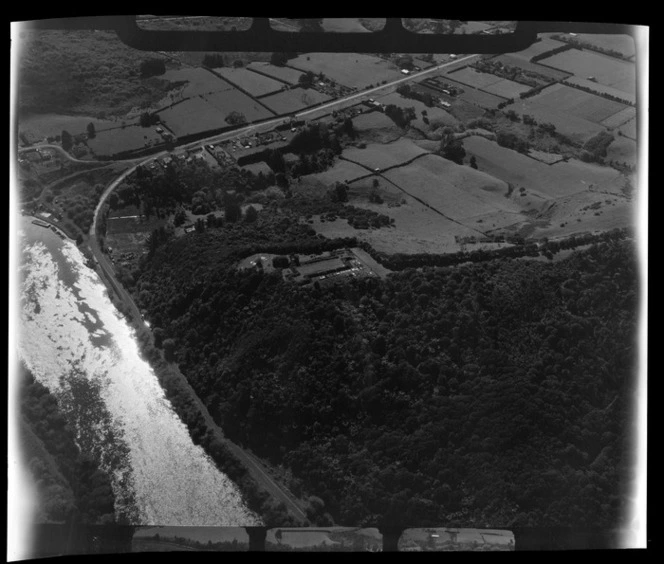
point(85, 72)
point(69, 482)
point(488, 394)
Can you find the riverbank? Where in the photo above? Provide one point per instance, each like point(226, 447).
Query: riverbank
point(77, 345)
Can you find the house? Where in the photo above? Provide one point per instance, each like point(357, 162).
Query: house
point(405, 71)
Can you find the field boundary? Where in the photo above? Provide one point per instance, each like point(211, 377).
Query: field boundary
point(241, 90)
point(420, 200)
point(605, 95)
point(505, 98)
point(581, 45)
point(295, 113)
point(448, 76)
point(561, 159)
point(268, 76)
point(386, 169)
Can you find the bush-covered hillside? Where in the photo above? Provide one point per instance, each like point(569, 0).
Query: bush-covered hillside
point(490, 394)
point(82, 72)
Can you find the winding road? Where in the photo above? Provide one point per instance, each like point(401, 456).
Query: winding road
point(253, 464)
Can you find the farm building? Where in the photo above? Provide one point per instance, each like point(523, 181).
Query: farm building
point(316, 268)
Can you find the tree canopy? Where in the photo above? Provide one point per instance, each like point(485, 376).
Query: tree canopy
point(152, 67)
point(482, 394)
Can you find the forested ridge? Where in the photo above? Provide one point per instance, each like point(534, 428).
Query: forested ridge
point(487, 394)
point(69, 482)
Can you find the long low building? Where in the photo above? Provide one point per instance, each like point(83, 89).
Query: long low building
point(322, 267)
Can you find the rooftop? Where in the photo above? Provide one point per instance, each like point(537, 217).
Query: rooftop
point(314, 268)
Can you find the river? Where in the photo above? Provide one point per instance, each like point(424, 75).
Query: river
point(79, 346)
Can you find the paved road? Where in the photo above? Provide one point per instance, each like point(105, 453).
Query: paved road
point(366, 93)
point(252, 464)
point(271, 123)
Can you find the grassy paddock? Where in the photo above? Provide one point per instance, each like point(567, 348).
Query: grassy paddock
point(350, 69)
point(607, 70)
point(294, 100)
point(378, 155)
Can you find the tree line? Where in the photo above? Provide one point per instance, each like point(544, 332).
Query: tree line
point(92, 500)
point(493, 393)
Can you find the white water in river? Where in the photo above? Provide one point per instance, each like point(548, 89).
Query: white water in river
point(76, 344)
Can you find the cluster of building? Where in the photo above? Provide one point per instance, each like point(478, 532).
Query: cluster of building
point(166, 135)
point(36, 155)
point(327, 268)
point(332, 88)
point(373, 104)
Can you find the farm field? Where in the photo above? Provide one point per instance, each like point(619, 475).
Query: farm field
point(621, 117)
point(548, 158)
point(350, 69)
point(129, 138)
point(199, 81)
point(377, 127)
point(434, 114)
point(607, 70)
point(537, 48)
point(629, 129)
point(254, 83)
point(574, 127)
point(372, 120)
point(382, 156)
point(472, 95)
point(545, 107)
point(514, 61)
point(39, 126)
point(622, 43)
point(342, 171)
point(457, 191)
point(472, 77)
point(547, 181)
point(284, 74)
point(507, 88)
point(589, 211)
point(294, 100)
point(565, 99)
point(237, 101)
point(417, 229)
point(601, 88)
point(192, 116)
